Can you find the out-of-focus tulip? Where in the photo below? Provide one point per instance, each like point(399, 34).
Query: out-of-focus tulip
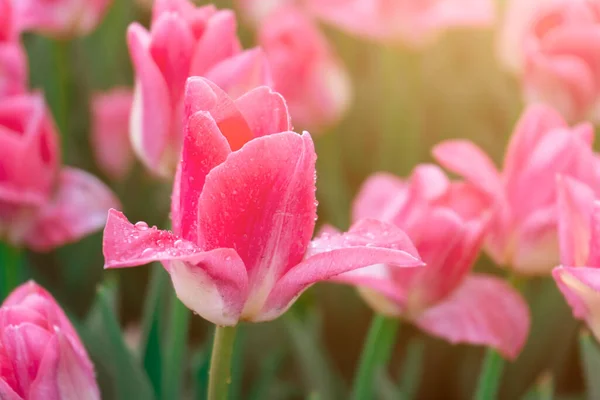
point(184, 41)
point(243, 213)
point(110, 131)
point(578, 277)
point(60, 18)
point(41, 356)
point(446, 222)
point(13, 61)
point(554, 45)
point(41, 205)
point(306, 71)
point(413, 22)
point(256, 11)
point(523, 227)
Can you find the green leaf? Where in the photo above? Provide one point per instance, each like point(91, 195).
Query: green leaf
point(590, 355)
point(150, 342)
point(412, 368)
point(119, 374)
point(269, 365)
point(311, 357)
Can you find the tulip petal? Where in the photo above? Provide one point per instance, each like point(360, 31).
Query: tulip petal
point(203, 95)
point(449, 247)
point(368, 242)
point(218, 42)
point(581, 288)
point(265, 111)
point(535, 249)
point(483, 310)
point(151, 109)
point(594, 253)
point(261, 202)
point(376, 194)
point(467, 160)
point(7, 393)
point(204, 147)
point(64, 371)
point(25, 346)
point(77, 209)
point(537, 120)
point(242, 72)
point(171, 49)
point(575, 206)
point(214, 284)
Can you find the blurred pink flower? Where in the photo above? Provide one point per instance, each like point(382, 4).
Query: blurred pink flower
point(578, 277)
point(110, 131)
point(41, 205)
point(446, 221)
point(243, 213)
point(256, 11)
point(317, 88)
point(554, 45)
point(522, 232)
point(13, 61)
point(60, 18)
point(413, 22)
point(184, 41)
point(41, 356)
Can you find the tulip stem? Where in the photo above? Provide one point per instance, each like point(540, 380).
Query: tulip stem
point(490, 376)
point(375, 355)
point(220, 362)
point(176, 350)
point(11, 260)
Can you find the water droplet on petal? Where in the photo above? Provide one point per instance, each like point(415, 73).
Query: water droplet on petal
point(141, 225)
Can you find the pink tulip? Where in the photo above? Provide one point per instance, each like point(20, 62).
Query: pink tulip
point(13, 61)
point(317, 88)
point(523, 228)
point(446, 221)
point(41, 356)
point(256, 11)
point(557, 52)
point(41, 205)
point(60, 18)
point(183, 41)
point(409, 21)
point(578, 277)
point(243, 212)
point(110, 131)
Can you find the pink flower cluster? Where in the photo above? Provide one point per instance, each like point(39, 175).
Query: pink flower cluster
point(42, 204)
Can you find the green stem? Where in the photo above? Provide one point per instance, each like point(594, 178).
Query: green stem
point(376, 354)
point(220, 363)
point(490, 376)
point(11, 262)
point(176, 350)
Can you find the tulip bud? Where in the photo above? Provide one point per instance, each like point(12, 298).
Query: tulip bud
point(41, 356)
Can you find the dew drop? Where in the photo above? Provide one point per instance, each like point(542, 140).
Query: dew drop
point(141, 225)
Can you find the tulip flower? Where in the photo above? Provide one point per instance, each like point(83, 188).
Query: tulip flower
point(553, 46)
point(578, 276)
point(183, 41)
point(523, 233)
point(110, 131)
point(243, 213)
point(412, 22)
point(446, 221)
point(41, 356)
point(317, 90)
point(42, 205)
point(60, 18)
point(13, 61)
